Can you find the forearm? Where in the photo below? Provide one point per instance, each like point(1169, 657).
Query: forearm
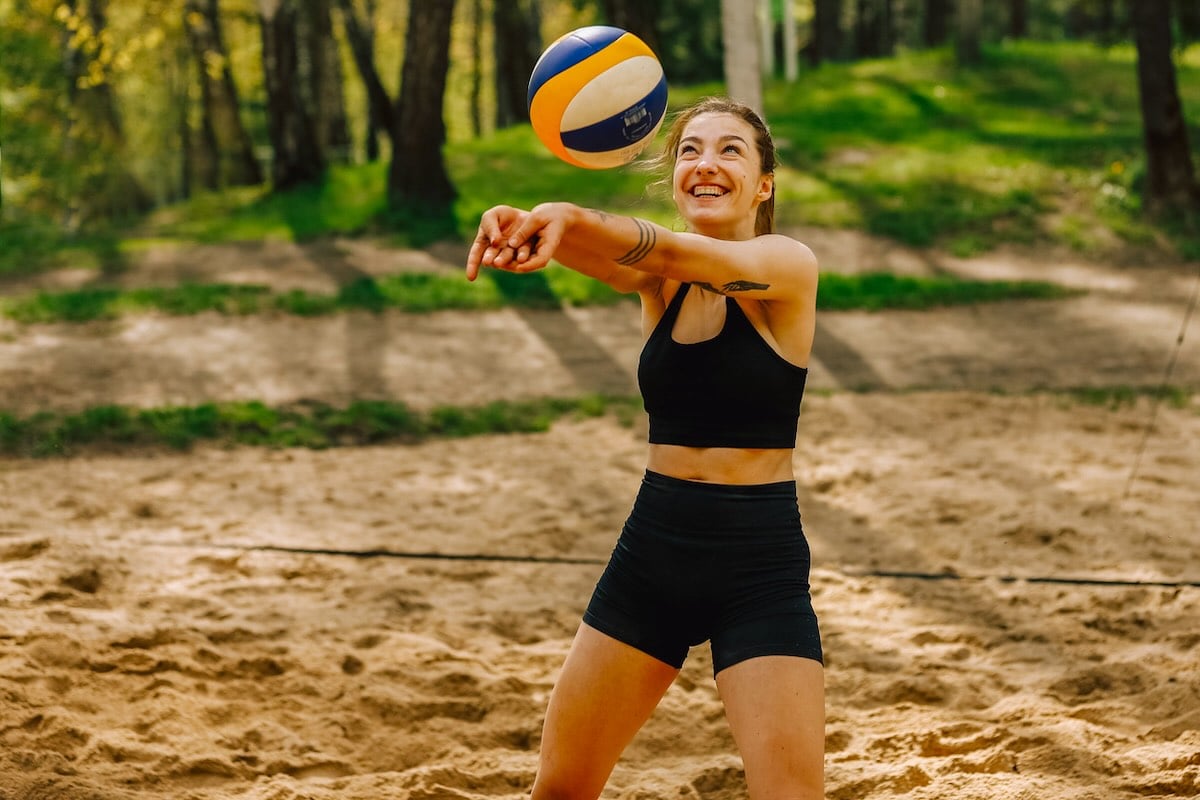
point(636, 249)
point(625, 244)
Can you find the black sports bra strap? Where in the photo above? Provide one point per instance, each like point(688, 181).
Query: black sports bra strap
point(677, 300)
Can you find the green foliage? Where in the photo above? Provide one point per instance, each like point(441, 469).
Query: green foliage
point(84, 305)
point(422, 292)
point(918, 149)
point(349, 200)
point(1039, 144)
point(34, 246)
point(313, 425)
point(879, 290)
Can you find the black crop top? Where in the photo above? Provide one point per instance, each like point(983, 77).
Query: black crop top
point(732, 390)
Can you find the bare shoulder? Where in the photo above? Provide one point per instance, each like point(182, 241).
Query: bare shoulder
point(792, 264)
point(790, 250)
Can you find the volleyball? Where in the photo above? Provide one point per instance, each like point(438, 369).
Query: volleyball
point(597, 96)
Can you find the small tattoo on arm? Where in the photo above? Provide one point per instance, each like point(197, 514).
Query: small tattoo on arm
point(647, 238)
point(734, 286)
point(745, 286)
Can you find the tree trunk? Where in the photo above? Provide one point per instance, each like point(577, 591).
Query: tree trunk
point(636, 16)
point(827, 32)
point(1170, 179)
point(418, 182)
point(766, 39)
point(321, 79)
point(94, 134)
point(968, 46)
point(362, 46)
point(476, 99)
point(517, 44)
point(1018, 19)
point(743, 77)
point(298, 158)
point(873, 28)
point(1188, 13)
point(234, 151)
point(374, 122)
point(935, 27)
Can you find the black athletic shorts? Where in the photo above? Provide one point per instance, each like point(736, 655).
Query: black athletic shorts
point(700, 561)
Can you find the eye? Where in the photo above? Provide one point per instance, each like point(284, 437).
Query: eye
point(687, 149)
point(732, 148)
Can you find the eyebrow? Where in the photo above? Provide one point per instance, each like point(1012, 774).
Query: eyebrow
point(723, 138)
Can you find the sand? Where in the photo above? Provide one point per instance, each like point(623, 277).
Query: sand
point(1008, 592)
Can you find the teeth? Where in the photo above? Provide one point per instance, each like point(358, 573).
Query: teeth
point(708, 191)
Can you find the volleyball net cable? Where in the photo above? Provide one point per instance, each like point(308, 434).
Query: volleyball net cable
point(850, 571)
point(1163, 384)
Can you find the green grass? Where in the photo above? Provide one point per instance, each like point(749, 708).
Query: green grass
point(422, 292)
point(311, 425)
point(318, 426)
point(1114, 397)
point(882, 290)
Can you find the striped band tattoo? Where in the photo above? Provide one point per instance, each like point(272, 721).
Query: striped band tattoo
point(647, 238)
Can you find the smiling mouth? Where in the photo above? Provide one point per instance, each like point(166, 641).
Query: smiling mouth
point(708, 191)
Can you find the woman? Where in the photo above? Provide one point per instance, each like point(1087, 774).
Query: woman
point(713, 548)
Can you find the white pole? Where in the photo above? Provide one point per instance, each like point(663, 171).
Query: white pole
point(743, 76)
point(766, 32)
point(791, 59)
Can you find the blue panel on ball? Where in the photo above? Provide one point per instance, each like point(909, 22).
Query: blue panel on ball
point(621, 130)
point(569, 51)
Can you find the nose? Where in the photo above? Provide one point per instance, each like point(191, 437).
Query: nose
point(705, 166)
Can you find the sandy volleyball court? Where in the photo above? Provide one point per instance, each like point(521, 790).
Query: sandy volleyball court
point(1006, 615)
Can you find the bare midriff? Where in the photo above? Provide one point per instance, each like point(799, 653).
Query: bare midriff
point(728, 465)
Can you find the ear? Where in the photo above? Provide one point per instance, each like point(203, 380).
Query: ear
point(766, 186)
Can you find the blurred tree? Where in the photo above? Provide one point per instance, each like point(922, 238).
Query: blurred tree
point(418, 182)
point(93, 136)
point(517, 44)
point(935, 23)
point(1188, 12)
point(1018, 19)
point(291, 123)
point(689, 42)
point(1101, 20)
point(639, 17)
point(476, 99)
point(1170, 176)
point(228, 150)
point(743, 76)
point(873, 34)
point(827, 32)
point(968, 40)
point(321, 79)
point(374, 123)
point(419, 186)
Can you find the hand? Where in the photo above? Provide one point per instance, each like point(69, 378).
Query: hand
point(490, 248)
point(516, 240)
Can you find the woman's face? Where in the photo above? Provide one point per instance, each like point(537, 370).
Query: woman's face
point(718, 184)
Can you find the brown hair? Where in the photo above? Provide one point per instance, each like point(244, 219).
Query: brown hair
point(764, 222)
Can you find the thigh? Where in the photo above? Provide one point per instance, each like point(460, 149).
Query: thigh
point(776, 710)
point(606, 692)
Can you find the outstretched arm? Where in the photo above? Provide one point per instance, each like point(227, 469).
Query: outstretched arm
point(491, 248)
point(631, 251)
